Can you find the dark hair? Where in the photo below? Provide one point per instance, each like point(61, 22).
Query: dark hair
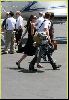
point(30, 19)
point(52, 15)
point(47, 15)
point(11, 13)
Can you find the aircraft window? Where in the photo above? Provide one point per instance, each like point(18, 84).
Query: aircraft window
point(53, 7)
point(62, 6)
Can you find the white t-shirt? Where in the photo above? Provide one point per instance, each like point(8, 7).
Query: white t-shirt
point(46, 24)
point(19, 22)
point(39, 21)
point(10, 22)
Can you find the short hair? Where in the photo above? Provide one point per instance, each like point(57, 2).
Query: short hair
point(47, 15)
point(52, 15)
point(7, 13)
point(40, 13)
point(11, 13)
point(18, 12)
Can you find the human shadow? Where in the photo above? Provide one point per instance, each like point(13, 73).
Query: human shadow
point(43, 62)
point(23, 70)
point(51, 69)
point(14, 68)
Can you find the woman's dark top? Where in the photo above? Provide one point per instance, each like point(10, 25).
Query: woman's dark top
point(29, 49)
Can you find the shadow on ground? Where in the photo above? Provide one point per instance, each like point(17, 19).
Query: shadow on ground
point(23, 70)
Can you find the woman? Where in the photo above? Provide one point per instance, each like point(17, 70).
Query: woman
point(29, 49)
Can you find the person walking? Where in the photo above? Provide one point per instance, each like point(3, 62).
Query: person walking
point(39, 20)
point(44, 28)
point(29, 49)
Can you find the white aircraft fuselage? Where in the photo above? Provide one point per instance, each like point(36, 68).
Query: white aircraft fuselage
point(59, 8)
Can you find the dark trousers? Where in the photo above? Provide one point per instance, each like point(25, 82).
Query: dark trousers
point(18, 35)
point(34, 60)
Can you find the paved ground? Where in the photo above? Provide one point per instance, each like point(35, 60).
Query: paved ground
point(44, 84)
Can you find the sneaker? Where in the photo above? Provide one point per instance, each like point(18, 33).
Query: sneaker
point(31, 68)
point(18, 64)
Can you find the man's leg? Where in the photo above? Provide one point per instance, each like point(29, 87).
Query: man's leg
point(7, 42)
point(39, 52)
point(12, 43)
point(52, 62)
point(32, 63)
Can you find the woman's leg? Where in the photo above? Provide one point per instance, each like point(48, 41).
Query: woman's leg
point(23, 57)
point(19, 61)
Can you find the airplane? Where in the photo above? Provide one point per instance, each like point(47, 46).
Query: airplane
point(59, 8)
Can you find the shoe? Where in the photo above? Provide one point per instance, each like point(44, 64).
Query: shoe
point(4, 53)
point(11, 52)
point(31, 68)
point(56, 66)
point(44, 58)
point(39, 66)
point(19, 51)
point(18, 64)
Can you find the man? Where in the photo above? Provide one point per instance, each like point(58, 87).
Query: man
point(4, 22)
point(10, 26)
point(39, 23)
point(45, 28)
point(39, 20)
point(51, 30)
point(4, 25)
point(19, 27)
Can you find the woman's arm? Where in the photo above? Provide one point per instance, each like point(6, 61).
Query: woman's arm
point(47, 33)
point(32, 28)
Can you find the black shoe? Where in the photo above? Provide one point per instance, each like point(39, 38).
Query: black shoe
point(4, 52)
point(11, 52)
point(44, 58)
point(18, 64)
point(31, 68)
point(56, 66)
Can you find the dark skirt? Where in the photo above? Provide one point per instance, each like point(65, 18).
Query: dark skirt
point(29, 49)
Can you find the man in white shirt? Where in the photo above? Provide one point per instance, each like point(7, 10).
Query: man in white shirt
point(4, 25)
point(19, 26)
point(10, 26)
point(39, 20)
point(44, 28)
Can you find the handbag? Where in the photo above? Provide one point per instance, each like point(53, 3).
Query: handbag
point(37, 39)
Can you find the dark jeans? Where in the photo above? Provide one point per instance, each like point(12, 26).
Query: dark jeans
point(18, 35)
point(34, 60)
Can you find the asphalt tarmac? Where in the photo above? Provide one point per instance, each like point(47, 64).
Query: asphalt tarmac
point(46, 83)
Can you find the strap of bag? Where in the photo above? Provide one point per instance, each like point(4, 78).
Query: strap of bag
point(41, 24)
